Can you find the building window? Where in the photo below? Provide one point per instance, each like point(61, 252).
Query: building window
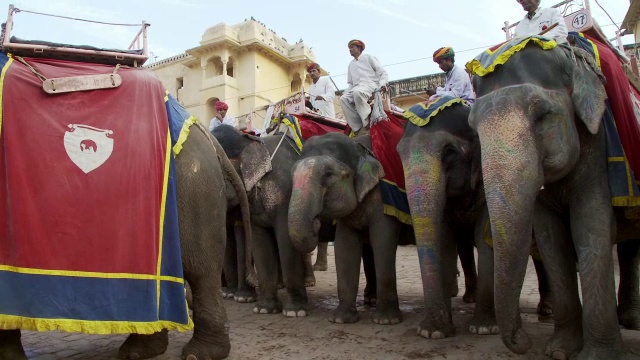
point(296, 83)
point(231, 65)
point(179, 83)
point(214, 67)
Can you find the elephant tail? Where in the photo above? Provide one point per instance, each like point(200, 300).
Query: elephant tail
point(235, 180)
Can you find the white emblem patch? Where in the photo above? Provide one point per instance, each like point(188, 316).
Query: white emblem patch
point(88, 147)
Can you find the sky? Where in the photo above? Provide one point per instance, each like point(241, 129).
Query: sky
point(402, 34)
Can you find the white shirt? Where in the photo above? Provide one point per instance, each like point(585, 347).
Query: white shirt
point(366, 69)
point(457, 84)
point(541, 20)
point(325, 88)
point(215, 122)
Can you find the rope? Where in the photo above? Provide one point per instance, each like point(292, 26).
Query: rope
point(44, 78)
point(280, 143)
point(71, 18)
point(33, 70)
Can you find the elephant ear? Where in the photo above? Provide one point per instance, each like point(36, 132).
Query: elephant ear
point(588, 90)
point(368, 175)
point(255, 162)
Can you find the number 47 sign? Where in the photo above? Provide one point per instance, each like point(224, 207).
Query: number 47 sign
point(579, 20)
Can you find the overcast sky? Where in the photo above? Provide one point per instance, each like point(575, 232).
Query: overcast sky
point(403, 34)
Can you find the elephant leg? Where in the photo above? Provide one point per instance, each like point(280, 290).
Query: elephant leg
point(246, 292)
point(231, 265)
point(554, 244)
point(309, 276)
point(384, 237)
point(468, 261)
point(348, 252)
point(628, 293)
point(484, 317)
point(321, 257)
point(139, 346)
point(265, 255)
point(292, 264)
point(368, 263)
point(546, 299)
point(11, 346)
point(593, 245)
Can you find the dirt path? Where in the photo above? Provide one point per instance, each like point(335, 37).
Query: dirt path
point(262, 337)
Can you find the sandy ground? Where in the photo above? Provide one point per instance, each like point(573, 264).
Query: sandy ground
point(313, 337)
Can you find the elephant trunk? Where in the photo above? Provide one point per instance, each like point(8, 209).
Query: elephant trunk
point(512, 172)
point(426, 192)
point(305, 206)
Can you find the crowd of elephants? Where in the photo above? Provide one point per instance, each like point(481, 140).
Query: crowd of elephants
point(528, 158)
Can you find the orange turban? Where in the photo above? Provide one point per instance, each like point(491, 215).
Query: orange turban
point(356, 42)
point(443, 53)
point(313, 66)
point(219, 105)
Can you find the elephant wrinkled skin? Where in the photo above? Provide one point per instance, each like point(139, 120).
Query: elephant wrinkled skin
point(337, 178)
point(541, 125)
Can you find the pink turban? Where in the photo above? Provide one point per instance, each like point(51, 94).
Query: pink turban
point(219, 105)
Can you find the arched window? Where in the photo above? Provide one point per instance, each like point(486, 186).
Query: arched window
point(296, 83)
point(214, 67)
point(231, 67)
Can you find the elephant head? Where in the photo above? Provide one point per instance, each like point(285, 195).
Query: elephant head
point(530, 120)
point(250, 157)
point(441, 164)
point(331, 178)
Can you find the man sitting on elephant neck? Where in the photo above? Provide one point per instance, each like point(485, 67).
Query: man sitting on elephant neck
point(458, 82)
point(364, 75)
point(539, 19)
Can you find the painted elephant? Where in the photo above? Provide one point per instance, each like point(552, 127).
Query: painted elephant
point(541, 125)
point(337, 178)
point(268, 184)
point(441, 162)
point(202, 245)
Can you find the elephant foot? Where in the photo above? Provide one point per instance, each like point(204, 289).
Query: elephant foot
point(370, 300)
point(469, 295)
point(296, 309)
point(11, 346)
point(629, 317)
point(267, 307)
point(139, 346)
point(320, 266)
point(430, 330)
point(280, 285)
point(247, 295)
point(590, 353)
point(309, 280)
point(344, 316)
point(484, 324)
point(454, 288)
point(197, 349)
point(370, 295)
point(544, 308)
point(228, 293)
point(387, 315)
point(564, 343)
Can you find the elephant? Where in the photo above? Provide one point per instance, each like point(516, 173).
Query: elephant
point(442, 170)
point(236, 285)
point(541, 126)
point(201, 211)
point(268, 182)
point(337, 178)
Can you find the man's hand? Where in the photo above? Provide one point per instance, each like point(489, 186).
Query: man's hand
point(383, 89)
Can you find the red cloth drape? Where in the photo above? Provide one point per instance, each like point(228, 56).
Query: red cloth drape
point(625, 103)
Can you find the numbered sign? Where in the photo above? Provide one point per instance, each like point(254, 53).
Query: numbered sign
point(579, 21)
